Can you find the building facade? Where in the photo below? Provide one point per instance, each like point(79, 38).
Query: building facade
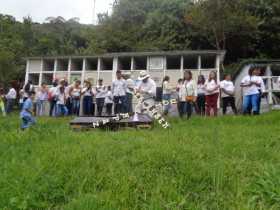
point(159, 64)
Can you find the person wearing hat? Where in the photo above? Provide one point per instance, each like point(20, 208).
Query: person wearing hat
point(146, 88)
point(119, 93)
point(130, 86)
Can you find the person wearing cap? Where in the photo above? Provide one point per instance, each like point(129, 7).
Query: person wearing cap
point(146, 88)
point(130, 86)
point(119, 88)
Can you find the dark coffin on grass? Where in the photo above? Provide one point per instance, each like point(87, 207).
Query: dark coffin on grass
point(143, 121)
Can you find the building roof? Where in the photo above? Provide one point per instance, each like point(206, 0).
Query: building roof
point(257, 62)
point(136, 54)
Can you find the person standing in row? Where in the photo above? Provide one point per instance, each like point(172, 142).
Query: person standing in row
point(75, 94)
point(88, 94)
point(191, 92)
point(109, 101)
point(251, 84)
point(11, 99)
point(28, 87)
point(61, 100)
point(2, 102)
point(100, 97)
point(212, 89)
point(42, 100)
point(200, 102)
point(130, 86)
point(52, 99)
point(181, 98)
point(227, 92)
point(166, 94)
point(119, 92)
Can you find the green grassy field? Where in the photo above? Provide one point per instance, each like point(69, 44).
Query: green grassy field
point(224, 163)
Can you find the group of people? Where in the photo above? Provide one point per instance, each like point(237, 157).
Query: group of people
point(203, 95)
point(67, 99)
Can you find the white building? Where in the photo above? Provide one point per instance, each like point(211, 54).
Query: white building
point(159, 64)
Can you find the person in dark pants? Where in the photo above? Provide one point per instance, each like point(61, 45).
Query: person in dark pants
point(200, 102)
point(100, 97)
point(52, 99)
point(88, 94)
point(109, 102)
point(181, 98)
point(227, 91)
point(119, 92)
point(11, 99)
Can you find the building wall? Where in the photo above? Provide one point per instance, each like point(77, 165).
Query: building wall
point(41, 70)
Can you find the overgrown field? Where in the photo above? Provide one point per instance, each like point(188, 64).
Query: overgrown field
point(225, 163)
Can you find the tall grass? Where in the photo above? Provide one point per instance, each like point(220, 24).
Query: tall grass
point(214, 164)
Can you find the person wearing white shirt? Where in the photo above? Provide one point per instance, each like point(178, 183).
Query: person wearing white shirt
point(130, 86)
point(75, 94)
point(181, 97)
point(42, 100)
point(200, 101)
point(119, 88)
point(146, 89)
point(88, 94)
point(11, 99)
point(101, 92)
point(61, 100)
point(191, 92)
point(250, 85)
point(227, 92)
point(212, 90)
point(109, 101)
point(166, 94)
point(52, 99)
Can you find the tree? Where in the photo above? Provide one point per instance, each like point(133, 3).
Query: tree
point(220, 20)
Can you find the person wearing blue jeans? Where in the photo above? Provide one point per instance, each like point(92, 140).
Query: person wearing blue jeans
point(251, 84)
point(26, 112)
point(251, 101)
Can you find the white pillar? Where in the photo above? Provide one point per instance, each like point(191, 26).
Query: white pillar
point(69, 70)
point(55, 69)
point(132, 67)
point(182, 66)
point(218, 73)
point(270, 87)
point(98, 68)
point(83, 71)
point(27, 71)
point(41, 72)
point(199, 65)
point(148, 64)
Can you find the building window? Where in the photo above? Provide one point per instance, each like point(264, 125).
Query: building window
point(77, 65)
point(48, 65)
point(124, 63)
point(173, 62)
point(34, 78)
point(92, 64)
point(190, 62)
point(106, 64)
point(140, 63)
point(62, 64)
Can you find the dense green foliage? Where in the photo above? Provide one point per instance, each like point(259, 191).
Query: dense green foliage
point(245, 28)
point(223, 163)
